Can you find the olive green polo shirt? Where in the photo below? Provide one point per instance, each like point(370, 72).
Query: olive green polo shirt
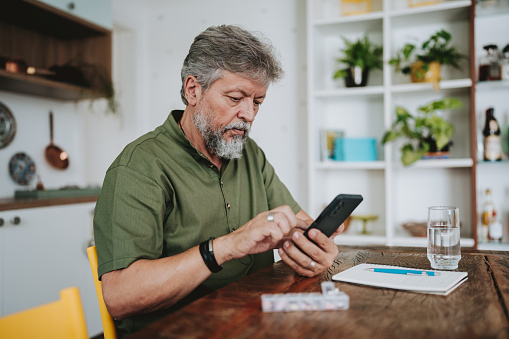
point(161, 197)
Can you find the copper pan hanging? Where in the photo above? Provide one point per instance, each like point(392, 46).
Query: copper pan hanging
point(55, 156)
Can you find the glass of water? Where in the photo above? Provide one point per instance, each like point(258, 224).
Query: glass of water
point(444, 237)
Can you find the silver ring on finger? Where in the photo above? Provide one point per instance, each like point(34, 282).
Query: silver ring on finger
point(311, 265)
point(270, 216)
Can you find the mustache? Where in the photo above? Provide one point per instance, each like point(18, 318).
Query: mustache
point(242, 125)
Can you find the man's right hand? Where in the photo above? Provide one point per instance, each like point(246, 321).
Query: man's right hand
point(257, 235)
point(148, 285)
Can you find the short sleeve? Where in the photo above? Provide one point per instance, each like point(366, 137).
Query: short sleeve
point(128, 219)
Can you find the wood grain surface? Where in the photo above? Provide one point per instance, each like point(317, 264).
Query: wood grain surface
point(476, 309)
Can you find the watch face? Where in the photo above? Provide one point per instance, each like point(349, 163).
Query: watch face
point(21, 168)
point(7, 126)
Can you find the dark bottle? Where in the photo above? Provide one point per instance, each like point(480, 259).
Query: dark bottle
point(489, 65)
point(491, 132)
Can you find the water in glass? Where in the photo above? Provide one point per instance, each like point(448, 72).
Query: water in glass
point(444, 247)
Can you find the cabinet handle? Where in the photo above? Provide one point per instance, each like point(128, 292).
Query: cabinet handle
point(1, 222)
point(16, 220)
point(71, 6)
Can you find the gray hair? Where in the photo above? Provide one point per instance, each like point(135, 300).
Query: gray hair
point(233, 49)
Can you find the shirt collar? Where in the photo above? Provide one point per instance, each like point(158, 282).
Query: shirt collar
point(175, 133)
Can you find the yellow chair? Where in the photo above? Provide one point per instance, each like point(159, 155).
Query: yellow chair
point(59, 319)
point(107, 320)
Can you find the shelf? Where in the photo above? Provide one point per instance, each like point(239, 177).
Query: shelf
point(47, 20)
point(16, 204)
point(443, 12)
point(386, 184)
point(493, 163)
point(43, 36)
point(347, 92)
point(422, 242)
point(423, 87)
point(356, 19)
point(380, 165)
point(496, 10)
point(438, 163)
point(369, 240)
point(347, 239)
point(350, 165)
point(493, 246)
point(492, 85)
point(34, 85)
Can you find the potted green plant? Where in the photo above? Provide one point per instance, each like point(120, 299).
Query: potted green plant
point(93, 76)
point(423, 64)
point(423, 133)
point(359, 57)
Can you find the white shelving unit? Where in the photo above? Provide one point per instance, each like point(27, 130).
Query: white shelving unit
point(394, 193)
point(491, 27)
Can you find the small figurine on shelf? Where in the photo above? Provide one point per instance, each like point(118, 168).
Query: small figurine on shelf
point(355, 7)
point(418, 3)
point(492, 229)
point(491, 133)
point(489, 64)
point(505, 63)
point(40, 186)
point(365, 218)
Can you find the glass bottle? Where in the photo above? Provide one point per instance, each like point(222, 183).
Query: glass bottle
point(488, 215)
point(505, 63)
point(495, 230)
point(491, 132)
point(489, 65)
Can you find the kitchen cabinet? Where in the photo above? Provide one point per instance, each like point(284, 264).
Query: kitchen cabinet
point(43, 36)
point(96, 11)
point(491, 27)
point(43, 250)
point(395, 194)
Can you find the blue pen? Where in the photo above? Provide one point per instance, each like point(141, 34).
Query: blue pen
point(404, 271)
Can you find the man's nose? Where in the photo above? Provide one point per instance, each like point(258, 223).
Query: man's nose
point(247, 111)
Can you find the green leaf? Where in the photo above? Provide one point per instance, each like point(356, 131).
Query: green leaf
point(362, 53)
point(390, 136)
point(409, 155)
point(443, 104)
point(340, 73)
point(437, 48)
point(402, 114)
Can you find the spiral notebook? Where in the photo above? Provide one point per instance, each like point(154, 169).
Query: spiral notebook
point(408, 279)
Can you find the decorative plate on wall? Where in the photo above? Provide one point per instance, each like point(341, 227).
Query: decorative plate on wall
point(7, 126)
point(21, 168)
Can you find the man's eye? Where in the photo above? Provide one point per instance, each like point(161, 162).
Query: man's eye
point(234, 99)
point(257, 103)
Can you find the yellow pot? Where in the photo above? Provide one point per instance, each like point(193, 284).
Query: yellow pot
point(418, 74)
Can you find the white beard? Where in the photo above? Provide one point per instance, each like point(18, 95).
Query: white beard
point(214, 138)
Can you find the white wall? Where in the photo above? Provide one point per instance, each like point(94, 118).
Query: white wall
point(151, 39)
point(33, 135)
point(162, 32)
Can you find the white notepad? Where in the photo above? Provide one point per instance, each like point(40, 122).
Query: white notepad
point(443, 283)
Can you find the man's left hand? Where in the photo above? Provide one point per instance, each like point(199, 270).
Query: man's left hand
point(309, 259)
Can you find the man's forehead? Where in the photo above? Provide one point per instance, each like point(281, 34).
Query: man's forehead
point(231, 82)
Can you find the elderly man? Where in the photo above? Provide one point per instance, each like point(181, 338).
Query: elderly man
point(194, 204)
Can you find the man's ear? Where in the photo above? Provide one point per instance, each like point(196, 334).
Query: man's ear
point(192, 90)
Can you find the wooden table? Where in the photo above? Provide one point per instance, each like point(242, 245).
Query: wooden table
point(476, 309)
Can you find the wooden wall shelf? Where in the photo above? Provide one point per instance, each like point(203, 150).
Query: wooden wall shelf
point(35, 85)
point(8, 204)
point(44, 36)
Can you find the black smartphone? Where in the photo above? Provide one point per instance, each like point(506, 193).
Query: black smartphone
point(335, 213)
